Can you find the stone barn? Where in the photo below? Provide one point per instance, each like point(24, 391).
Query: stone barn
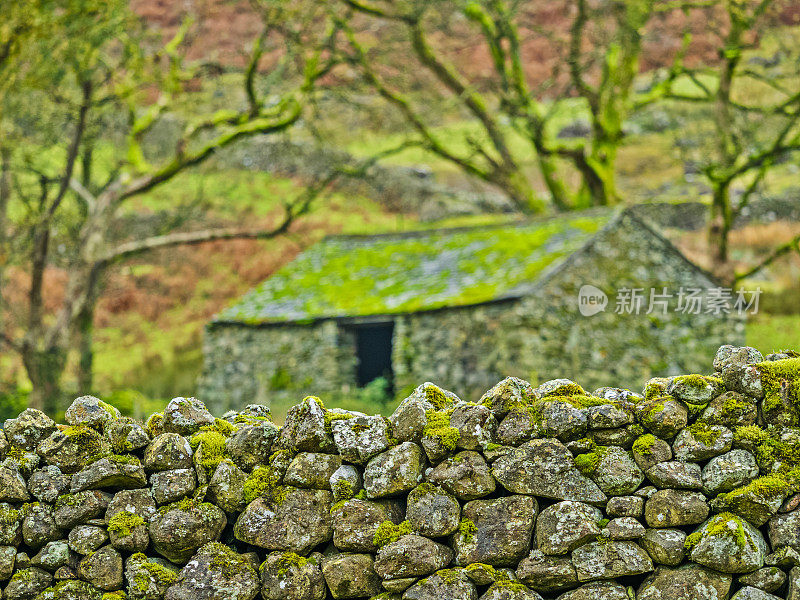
point(465, 307)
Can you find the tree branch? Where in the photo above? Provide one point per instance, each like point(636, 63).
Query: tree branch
point(783, 249)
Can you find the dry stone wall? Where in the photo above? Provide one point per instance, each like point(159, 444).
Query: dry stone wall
point(685, 491)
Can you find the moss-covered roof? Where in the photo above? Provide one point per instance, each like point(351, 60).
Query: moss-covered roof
point(353, 276)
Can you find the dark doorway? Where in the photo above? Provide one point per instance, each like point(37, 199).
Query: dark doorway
point(374, 352)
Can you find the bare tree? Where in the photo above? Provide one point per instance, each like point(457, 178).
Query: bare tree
point(600, 55)
point(67, 203)
point(755, 121)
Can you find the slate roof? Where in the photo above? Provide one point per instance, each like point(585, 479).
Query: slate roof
point(361, 276)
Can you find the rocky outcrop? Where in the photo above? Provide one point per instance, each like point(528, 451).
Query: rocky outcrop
point(687, 491)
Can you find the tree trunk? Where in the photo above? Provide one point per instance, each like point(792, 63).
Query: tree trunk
point(44, 369)
point(720, 224)
point(84, 328)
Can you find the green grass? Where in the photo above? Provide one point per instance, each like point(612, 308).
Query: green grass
point(771, 333)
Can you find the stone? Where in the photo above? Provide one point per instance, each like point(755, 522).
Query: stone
point(10, 525)
point(128, 532)
point(110, 473)
point(361, 437)
point(450, 584)
point(395, 471)
point(47, 484)
point(739, 372)
point(149, 578)
point(171, 486)
point(648, 450)
point(769, 579)
point(465, 475)
point(186, 416)
point(607, 416)
point(28, 429)
point(608, 560)
point(137, 502)
point(625, 506)
point(8, 555)
point(345, 483)
point(565, 526)
point(544, 467)
point(125, 435)
point(728, 544)
point(411, 556)
point(28, 583)
point(12, 486)
point(615, 472)
point(226, 487)
point(305, 428)
point(495, 532)
point(356, 521)
point(38, 525)
point(476, 425)
point(432, 511)
point(597, 590)
point(509, 590)
point(784, 530)
point(689, 582)
point(729, 471)
point(215, 572)
point(298, 521)
point(287, 576)
point(103, 569)
point(508, 394)
point(351, 576)
point(517, 428)
point(664, 416)
point(793, 590)
point(701, 442)
point(675, 508)
point(676, 474)
point(168, 452)
point(252, 445)
point(561, 420)
point(547, 574)
point(74, 590)
point(85, 539)
point(90, 411)
point(752, 593)
point(730, 410)
point(695, 389)
point(178, 530)
point(665, 546)
point(52, 556)
point(312, 470)
point(75, 509)
point(625, 528)
point(72, 448)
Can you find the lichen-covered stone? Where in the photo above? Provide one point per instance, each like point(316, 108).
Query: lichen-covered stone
point(28, 583)
point(701, 442)
point(663, 416)
point(85, 539)
point(730, 409)
point(752, 593)
point(476, 425)
point(449, 584)
point(545, 467)
point(28, 429)
point(52, 556)
point(675, 508)
point(547, 574)
point(288, 576)
point(90, 411)
point(12, 486)
point(465, 475)
point(564, 526)
point(215, 572)
point(689, 582)
point(648, 450)
point(361, 437)
point(608, 560)
point(769, 579)
point(345, 482)
point(139, 502)
point(103, 569)
point(614, 471)
point(312, 470)
point(665, 546)
point(411, 556)
point(171, 486)
point(167, 452)
point(698, 390)
point(39, 525)
point(729, 471)
point(509, 590)
point(728, 544)
point(185, 416)
point(676, 474)
point(305, 428)
point(495, 532)
point(395, 471)
point(178, 530)
point(356, 521)
point(125, 435)
point(47, 484)
point(298, 521)
point(351, 576)
point(75, 509)
point(432, 511)
point(597, 590)
point(784, 530)
point(72, 448)
point(110, 473)
point(625, 506)
point(148, 578)
point(624, 528)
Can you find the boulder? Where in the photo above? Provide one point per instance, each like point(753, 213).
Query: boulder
point(186, 416)
point(85, 539)
point(351, 576)
point(450, 584)
point(75, 509)
point(665, 546)
point(170, 486)
point(676, 474)
point(701, 441)
point(729, 471)
point(395, 471)
point(149, 578)
point(476, 425)
point(215, 572)
point(178, 530)
point(769, 579)
point(252, 445)
point(565, 526)
point(361, 437)
point(608, 560)
point(411, 556)
point(72, 448)
point(728, 544)
point(168, 452)
point(355, 522)
point(305, 428)
point(465, 475)
point(226, 487)
point(547, 574)
point(111, 472)
point(91, 411)
point(287, 576)
point(432, 511)
point(28, 429)
point(103, 569)
point(27, 583)
point(312, 470)
point(47, 484)
point(675, 508)
point(495, 532)
point(689, 582)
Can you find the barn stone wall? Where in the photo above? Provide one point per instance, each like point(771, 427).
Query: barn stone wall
point(687, 491)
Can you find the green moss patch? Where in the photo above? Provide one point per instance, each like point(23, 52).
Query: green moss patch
point(438, 426)
point(124, 523)
point(389, 532)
